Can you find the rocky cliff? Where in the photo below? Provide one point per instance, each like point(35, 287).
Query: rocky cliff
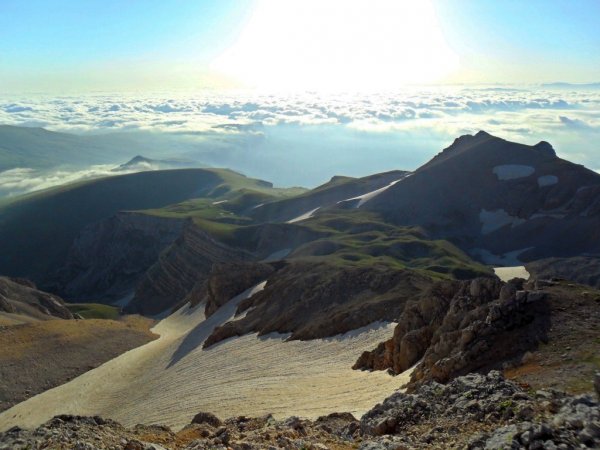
point(482, 324)
point(186, 262)
point(108, 257)
point(226, 280)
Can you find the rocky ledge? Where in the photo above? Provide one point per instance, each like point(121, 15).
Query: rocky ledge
point(471, 412)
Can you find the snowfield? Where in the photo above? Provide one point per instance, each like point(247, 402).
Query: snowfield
point(512, 171)
point(547, 180)
point(508, 273)
point(169, 380)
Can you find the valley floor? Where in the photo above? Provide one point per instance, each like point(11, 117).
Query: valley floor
point(40, 355)
point(169, 380)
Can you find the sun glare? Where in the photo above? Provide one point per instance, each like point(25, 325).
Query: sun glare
point(339, 44)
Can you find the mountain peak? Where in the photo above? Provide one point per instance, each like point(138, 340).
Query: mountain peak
point(138, 159)
point(460, 145)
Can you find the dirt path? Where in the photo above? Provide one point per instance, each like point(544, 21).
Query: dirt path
point(171, 379)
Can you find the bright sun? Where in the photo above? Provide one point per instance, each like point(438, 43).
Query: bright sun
point(339, 44)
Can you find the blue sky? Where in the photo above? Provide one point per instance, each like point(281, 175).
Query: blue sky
point(111, 45)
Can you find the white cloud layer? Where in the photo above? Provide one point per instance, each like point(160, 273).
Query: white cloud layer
point(498, 109)
point(419, 120)
point(23, 179)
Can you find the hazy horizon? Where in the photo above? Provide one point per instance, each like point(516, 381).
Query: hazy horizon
point(298, 91)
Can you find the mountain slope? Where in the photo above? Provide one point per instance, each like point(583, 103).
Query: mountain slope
point(486, 193)
point(38, 229)
point(326, 195)
point(20, 300)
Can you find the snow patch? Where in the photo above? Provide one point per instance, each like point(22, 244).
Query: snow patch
point(362, 199)
point(276, 256)
point(547, 180)
point(306, 215)
point(508, 273)
point(548, 215)
point(494, 220)
point(512, 171)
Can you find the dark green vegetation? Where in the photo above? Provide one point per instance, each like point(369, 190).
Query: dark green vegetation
point(362, 238)
point(94, 310)
point(341, 237)
point(37, 229)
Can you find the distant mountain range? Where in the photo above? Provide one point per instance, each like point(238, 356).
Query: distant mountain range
point(140, 163)
point(483, 200)
point(38, 148)
point(565, 85)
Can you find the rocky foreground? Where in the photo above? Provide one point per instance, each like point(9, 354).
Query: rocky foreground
point(471, 412)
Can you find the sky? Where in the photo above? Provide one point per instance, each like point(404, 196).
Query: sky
point(116, 45)
point(296, 91)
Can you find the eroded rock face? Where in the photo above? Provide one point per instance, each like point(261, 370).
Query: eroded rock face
point(186, 262)
point(459, 327)
point(110, 256)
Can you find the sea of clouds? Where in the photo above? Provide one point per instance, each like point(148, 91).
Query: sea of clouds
point(306, 138)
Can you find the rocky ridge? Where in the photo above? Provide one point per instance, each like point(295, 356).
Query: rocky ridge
point(580, 269)
point(475, 412)
point(314, 300)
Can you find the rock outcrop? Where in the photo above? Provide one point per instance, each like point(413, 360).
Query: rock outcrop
point(108, 257)
point(18, 296)
point(482, 412)
point(459, 327)
point(186, 262)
